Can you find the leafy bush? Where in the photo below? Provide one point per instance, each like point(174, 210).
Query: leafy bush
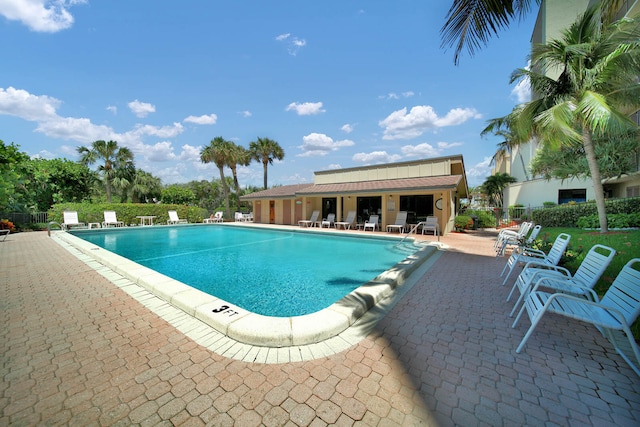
point(486, 219)
point(462, 222)
point(613, 220)
point(568, 215)
point(126, 212)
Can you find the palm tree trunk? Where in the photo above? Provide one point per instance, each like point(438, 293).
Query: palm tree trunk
point(108, 188)
point(265, 174)
point(225, 190)
point(590, 153)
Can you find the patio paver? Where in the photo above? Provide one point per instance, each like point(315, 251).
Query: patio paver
point(79, 350)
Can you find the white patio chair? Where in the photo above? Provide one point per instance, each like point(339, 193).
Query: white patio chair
point(559, 278)
point(511, 237)
point(70, 219)
point(311, 221)
point(348, 222)
point(110, 219)
point(431, 225)
point(174, 219)
point(216, 217)
point(401, 222)
point(530, 254)
point(614, 313)
point(329, 221)
point(372, 223)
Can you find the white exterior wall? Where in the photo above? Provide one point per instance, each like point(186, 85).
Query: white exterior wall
point(535, 192)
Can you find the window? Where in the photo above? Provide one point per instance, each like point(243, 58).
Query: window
point(574, 195)
point(633, 191)
point(418, 207)
point(368, 206)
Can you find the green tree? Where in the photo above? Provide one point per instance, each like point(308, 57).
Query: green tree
point(12, 176)
point(501, 127)
point(53, 181)
point(115, 159)
point(238, 155)
point(144, 187)
point(177, 194)
point(596, 89)
point(494, 187)
point(218, 152)
point(471, 23)
point(265, 150)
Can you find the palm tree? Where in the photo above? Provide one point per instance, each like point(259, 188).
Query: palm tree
point(502, 127)
point(238, 155)
point(115, 159)
point(494, 187)
point(218, 152)
point(471, 23)
point(596, 89)
point(265, 150)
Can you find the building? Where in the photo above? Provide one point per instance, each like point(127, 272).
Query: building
point(430, 187)
point(533, 191)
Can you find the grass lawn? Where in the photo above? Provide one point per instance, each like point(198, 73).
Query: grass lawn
point(626, 243)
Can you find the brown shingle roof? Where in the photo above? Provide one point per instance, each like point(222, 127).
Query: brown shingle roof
point(424, 183)
point(284, 191)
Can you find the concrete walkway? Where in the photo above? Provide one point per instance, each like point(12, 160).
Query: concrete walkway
point(77, 350)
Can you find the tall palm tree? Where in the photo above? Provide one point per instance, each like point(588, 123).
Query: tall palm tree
point(238, 155)
point(115, 159)
point(265, 150)
point(218, 152)
point(502, 127)
point(471, 23)
point(494, 187)
point(596, 89)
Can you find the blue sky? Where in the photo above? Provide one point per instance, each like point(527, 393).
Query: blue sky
point(336, 83)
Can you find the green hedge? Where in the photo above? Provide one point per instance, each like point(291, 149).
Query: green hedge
point(613, 221)
point(567, 215)
point(127, 212)
point(486, 219)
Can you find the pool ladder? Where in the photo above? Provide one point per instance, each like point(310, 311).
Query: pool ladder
point(49, 227)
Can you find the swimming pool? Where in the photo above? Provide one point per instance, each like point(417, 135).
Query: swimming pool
point(329, 325)
point(269, 272)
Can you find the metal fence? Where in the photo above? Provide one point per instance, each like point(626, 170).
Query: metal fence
point(26, 218)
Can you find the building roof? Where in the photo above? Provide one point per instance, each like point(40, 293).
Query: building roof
point(281, 192)
point(387, 185)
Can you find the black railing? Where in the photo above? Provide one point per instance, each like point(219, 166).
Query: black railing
point(26, 218)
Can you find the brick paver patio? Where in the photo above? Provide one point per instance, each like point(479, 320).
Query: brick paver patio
point(77, 350)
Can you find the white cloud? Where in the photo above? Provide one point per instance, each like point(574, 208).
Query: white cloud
point(294, 44)
point(46, 16)
point(306, 108)
point(376, 157)
point(522, 90)
point(319, 144)
point(159, 152)
point(210, 119)
point(113, 109)
point(141, 109)
point(334, 166)
point(245, 113)
point(347, 128)
point(20, 103)
point(393, 95)
point(427, 150)
point(403, 125)
point(477, 174)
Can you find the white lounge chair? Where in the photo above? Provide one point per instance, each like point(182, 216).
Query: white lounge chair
point(216, 217)
point(614, 313)
point(247, 217)
point(311, 221)
point(431, 225)
point(348, 222)
point(372, 223)
point(173, 218)
point(511, 237)
point(329, 221)
point(529, 254)
point(110, 219)
point(71, 220)
point(559, 278)
point(401, 222)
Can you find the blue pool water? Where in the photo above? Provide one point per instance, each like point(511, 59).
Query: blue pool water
point(269, 272)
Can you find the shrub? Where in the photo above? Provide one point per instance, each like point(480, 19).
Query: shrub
point(486, 219)
point(462, 222)
point(613, 220)
point(126, 212)
point(568, 215)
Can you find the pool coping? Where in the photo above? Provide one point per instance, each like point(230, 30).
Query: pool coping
point(254, 329)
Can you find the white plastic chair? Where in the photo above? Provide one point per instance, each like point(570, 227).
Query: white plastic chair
point(346, 224)
point(311, 221)
point(431, 225)
point(110, 219)
point(511, 237)
point(559, 278)
point(329, 221)
point(173, 218)
point(530, 254)
point(616, 312)
point(71, 220)
point(371, 223)
point(401, 222)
